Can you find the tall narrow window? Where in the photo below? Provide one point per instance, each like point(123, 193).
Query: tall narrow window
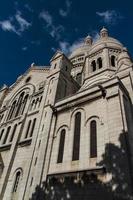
point(93, 65)
point(76, 141)
point(99, 62)
point(19, 104)
point(24, 104)
point(93, 139)
point(28, 129)
point(113, 61)
point(16, 183)
point(32, 105)
point(40, 100)
point(13, 132)
point(37, 102)
point(6, 135)
point(61, 146)
point(12, 110)
point(33, 127)
point(1, 134)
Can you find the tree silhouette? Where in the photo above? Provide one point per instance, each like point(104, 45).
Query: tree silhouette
point(85, 186)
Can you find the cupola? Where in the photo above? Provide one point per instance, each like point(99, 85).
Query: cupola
point(104, 33)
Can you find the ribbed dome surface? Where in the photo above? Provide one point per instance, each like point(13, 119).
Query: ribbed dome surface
point(105, 42)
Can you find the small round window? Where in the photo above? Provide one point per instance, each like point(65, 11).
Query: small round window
point(28, 79)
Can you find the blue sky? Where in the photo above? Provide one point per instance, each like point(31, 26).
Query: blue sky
point(32, 30)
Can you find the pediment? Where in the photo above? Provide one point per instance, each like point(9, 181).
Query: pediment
point(56, 55)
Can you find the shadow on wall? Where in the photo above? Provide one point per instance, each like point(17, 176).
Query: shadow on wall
point(89, 186)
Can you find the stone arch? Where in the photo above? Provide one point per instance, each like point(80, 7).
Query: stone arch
point(64, 126)
point(83, 115)
point(29, 87)
point(19, 97)
point(95, 117)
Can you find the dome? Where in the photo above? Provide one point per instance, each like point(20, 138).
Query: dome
point(81, 50)
point(105, 42)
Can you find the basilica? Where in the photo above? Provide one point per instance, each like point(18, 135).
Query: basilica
point(66, 130)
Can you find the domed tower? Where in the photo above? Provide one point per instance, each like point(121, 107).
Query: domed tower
point(77, 57)
point(101, 59)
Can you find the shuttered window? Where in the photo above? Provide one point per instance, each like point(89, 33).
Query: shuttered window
point(76, 141)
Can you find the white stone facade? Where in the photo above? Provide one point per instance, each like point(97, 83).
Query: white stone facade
point(44, 101)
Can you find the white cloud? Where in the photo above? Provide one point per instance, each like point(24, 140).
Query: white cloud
point(95, 35)
point(68, 48)
point(23, 23)
point(64, 46)
point(24, 48)
point(9, 25)
point(109, 16)
point(6, 25)
point(66, 11)
point(63, 13)
point(46, 17)
point(54, 30)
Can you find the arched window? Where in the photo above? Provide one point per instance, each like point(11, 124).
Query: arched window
point(79, 78)
point(6, 135)
point(93, 65)
point(61, 146)
point(19, 104)
point(32, 104)
point(28, 129)
point(16, 182)
point(99, 62)
point(76, 141)
point(12, 110)
point(32, 128)
point(93, 139)
point(113, 61)
point(13, 132)
point(24, 103)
